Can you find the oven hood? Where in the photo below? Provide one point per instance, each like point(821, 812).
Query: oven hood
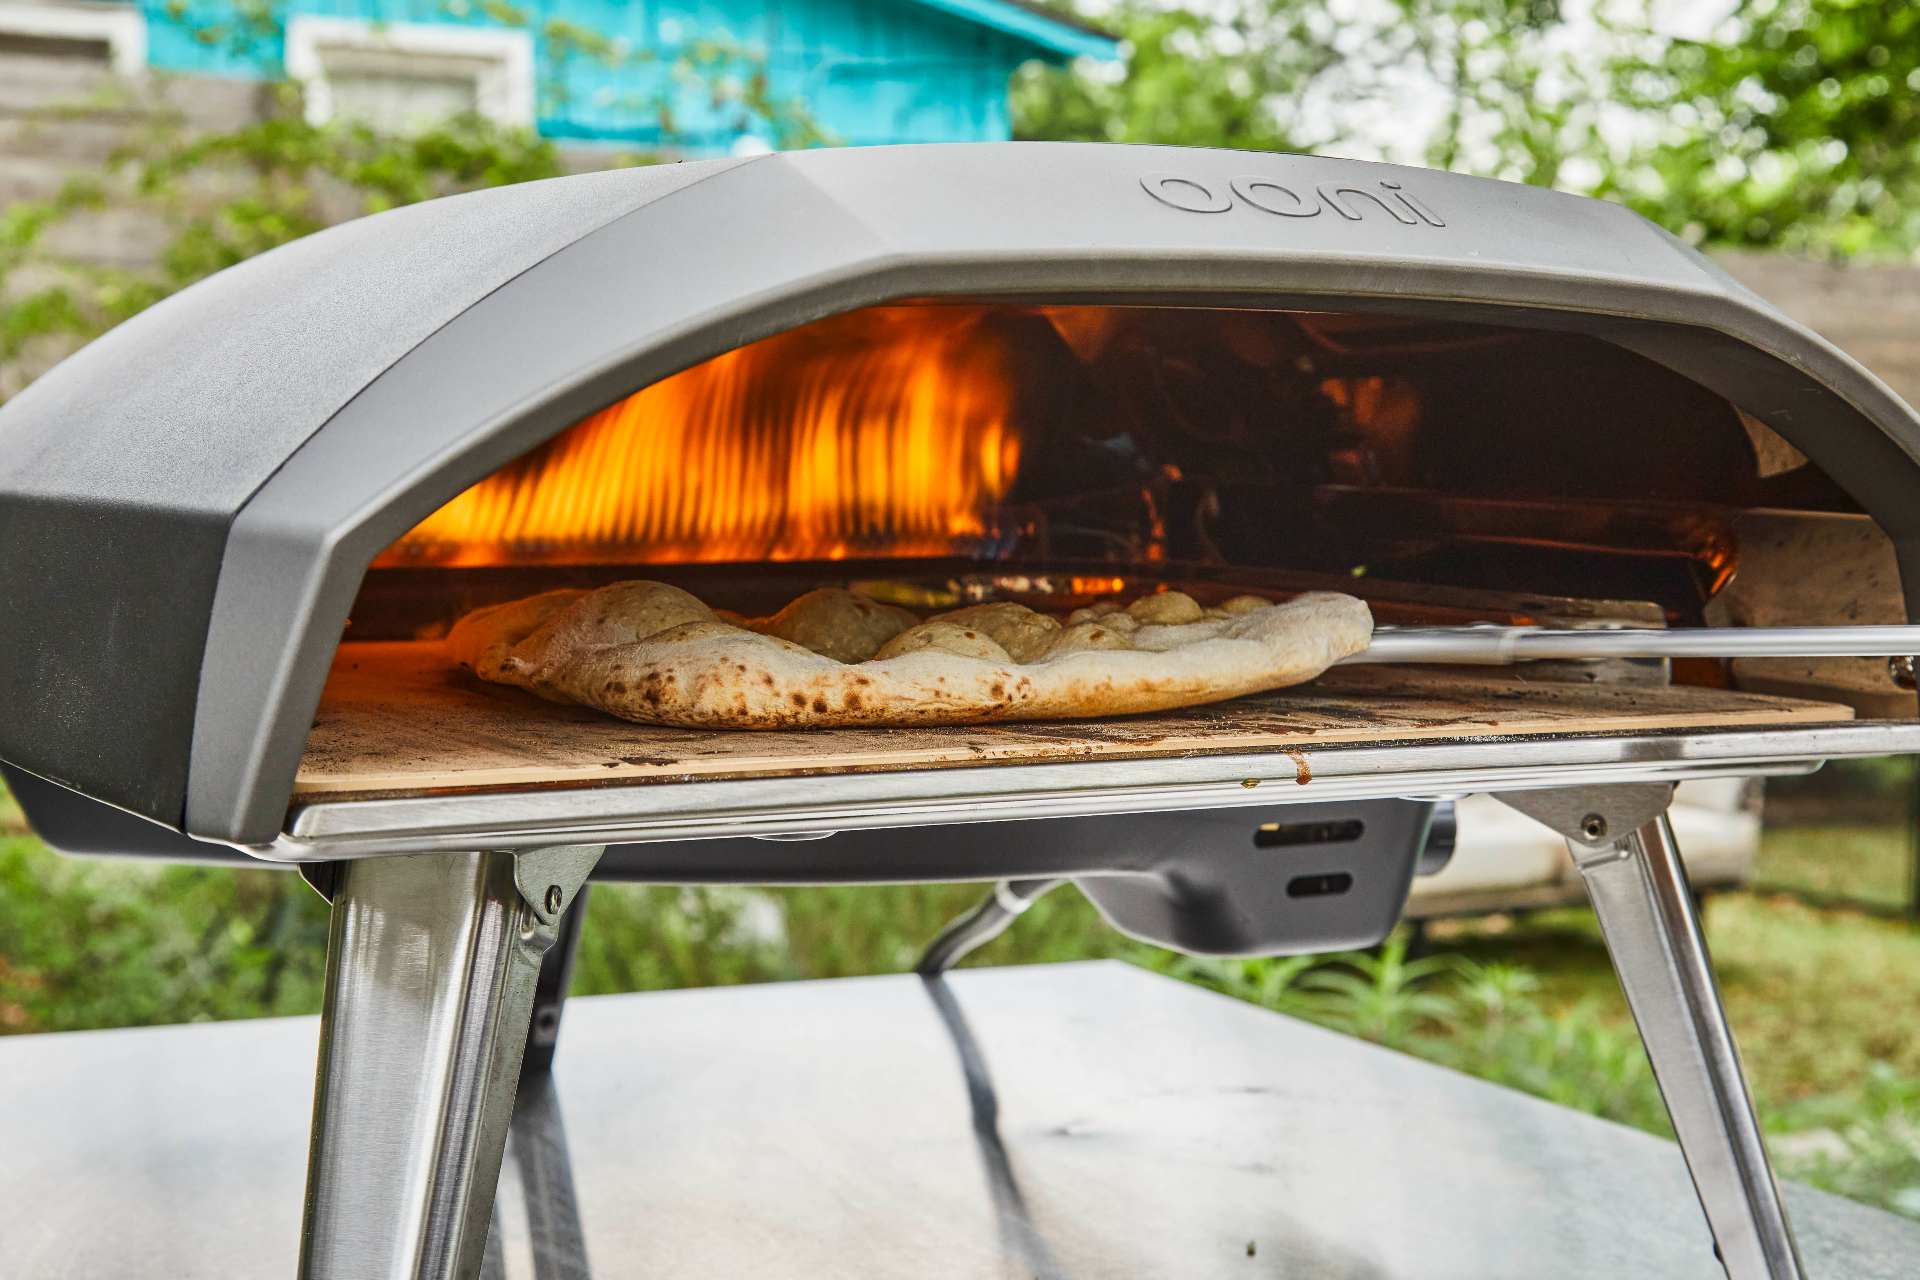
point(188, 506)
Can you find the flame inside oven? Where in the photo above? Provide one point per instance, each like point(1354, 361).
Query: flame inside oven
point(885, 432)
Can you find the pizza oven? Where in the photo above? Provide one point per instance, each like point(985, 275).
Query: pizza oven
point(1595, 493)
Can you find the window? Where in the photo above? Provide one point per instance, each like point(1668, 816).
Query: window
point(403, 77)
point(114, 35)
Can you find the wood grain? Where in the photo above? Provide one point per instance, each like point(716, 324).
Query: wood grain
point(399, 717)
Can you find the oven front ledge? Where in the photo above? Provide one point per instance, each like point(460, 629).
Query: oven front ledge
point(800, 806)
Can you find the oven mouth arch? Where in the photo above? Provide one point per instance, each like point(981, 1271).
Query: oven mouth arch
point(352, 549)
point(310, 562)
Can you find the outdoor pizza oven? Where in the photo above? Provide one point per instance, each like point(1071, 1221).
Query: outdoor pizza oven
point(236, 528)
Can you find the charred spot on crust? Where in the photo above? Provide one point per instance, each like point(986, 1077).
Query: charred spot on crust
point(616, 686)
point(799, 699)
point(999, 690)
point(766, 680)
point(853, 702)
point(820, 706)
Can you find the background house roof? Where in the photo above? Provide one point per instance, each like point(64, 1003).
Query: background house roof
point(1037, 24)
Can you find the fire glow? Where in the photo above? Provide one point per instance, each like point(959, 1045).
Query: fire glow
point(885, 432)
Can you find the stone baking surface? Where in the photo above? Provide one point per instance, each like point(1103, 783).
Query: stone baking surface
point(400, 717)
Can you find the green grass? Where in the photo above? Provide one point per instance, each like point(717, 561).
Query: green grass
point(88, 943)
point(1825, 1002)
point(1873, 865)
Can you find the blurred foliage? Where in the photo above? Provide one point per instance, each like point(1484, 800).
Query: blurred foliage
point(1846, 833)
point(106, 944)
point(1191, 79)
point(1521, 101)
point(1795, 126)
point(1872, 866)
point(720, 936)
point(1294, 75)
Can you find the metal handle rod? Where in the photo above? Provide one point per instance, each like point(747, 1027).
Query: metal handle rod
point(1497, 646)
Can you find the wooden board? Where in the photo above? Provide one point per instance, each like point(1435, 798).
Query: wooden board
point(400, 718)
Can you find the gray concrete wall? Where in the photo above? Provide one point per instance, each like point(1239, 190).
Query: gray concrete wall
point(63, 117)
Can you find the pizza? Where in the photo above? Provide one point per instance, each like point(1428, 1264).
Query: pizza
point(653, 653)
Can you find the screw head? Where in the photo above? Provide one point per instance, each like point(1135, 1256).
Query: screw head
point(554, 898)
point(1593, 826)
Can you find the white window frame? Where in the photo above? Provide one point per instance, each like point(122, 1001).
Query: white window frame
point(121, 27)
point(503, 89)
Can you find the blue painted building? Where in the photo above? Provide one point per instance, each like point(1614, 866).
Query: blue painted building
point(687, 76)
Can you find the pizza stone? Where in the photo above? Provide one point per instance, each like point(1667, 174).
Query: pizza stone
point(653, 653)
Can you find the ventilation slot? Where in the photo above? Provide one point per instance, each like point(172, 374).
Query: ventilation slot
point(1285, 835)
point(1330, 884)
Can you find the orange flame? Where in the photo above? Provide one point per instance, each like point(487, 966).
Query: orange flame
point(885, 432)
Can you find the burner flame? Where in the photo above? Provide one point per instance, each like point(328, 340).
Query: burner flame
point(882, 433)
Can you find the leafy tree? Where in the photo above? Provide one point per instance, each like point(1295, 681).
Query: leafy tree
point(1288, 75)
point(1797, 125)
point(1521, 102)
point(1238, 80)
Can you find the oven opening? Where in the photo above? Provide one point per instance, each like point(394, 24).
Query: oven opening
point(900, 447)
point(933, 455)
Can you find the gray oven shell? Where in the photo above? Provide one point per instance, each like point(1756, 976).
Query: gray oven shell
point(188, 505)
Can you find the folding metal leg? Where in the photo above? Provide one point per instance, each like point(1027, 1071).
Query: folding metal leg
point(432, 963)
point(1623, 844)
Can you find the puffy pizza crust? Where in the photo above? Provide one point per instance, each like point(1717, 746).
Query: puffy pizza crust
point(652, 653)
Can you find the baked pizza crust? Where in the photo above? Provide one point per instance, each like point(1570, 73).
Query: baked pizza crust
point(650, 652)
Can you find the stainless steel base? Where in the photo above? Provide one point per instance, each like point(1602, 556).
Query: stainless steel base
point(1112, 1125)
point(432, 965)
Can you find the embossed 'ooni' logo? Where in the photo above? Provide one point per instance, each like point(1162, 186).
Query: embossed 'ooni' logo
point(1349, 200)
